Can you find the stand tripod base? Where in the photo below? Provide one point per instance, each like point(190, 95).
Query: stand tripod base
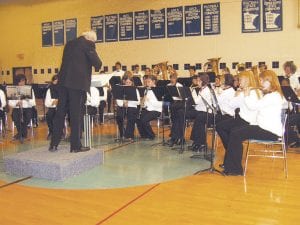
point(210, 170)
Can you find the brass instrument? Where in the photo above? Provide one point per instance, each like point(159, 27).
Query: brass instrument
point(164, 69)
point(214, 62)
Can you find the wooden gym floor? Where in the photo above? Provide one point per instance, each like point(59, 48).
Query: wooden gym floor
point(264, 197)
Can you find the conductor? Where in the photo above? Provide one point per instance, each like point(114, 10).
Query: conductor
point(74, 80)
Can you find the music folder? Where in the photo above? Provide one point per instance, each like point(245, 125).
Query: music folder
point(115, 80)
point(289, 94)
point(18, 92)
point(122, 92)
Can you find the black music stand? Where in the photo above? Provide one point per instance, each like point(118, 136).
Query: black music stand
point(137, 81)
point(162, 83)
point(125, 93)
point(185, 81)
point(159, 92)
point(214, 110)
point(19, 93)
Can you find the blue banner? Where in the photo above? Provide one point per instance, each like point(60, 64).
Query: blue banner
point(59, 33)
point(192, 15)
point(97, 26)
point(141, 25)
point(47, 39)
point(175, 22)
point(158, 23)
point(250, 16)
point(126, 26)
point(272, 15)
point(71, 29)
point(111, 28)
point(211, 19)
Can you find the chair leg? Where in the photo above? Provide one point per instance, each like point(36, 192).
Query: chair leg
point(285, 159)
point(247, 155)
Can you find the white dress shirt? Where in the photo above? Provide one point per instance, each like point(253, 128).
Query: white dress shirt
point(151, 103)
point(269, 111)
point(247, 114)
point(224, 99)
point(118, 73)
point(93, 98)
point(2, 99)
point(203, 94)
point(49, 100)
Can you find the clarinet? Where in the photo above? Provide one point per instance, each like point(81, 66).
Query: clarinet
point(217, 106)
point(142, 103)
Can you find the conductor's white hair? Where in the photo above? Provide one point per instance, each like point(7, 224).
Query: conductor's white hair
point(90, 35)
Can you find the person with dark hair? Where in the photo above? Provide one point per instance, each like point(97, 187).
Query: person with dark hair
point(136, 71)
point(22, 110)
point(118, 70)
point(74, 81)
point(152, 109)
point(290, 70)
point(127, 109)
point(192, 71)
point(51, 101)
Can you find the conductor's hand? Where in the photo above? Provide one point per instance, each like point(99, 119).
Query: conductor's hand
point(126, 104)
point(55, 102)
point(19, 103)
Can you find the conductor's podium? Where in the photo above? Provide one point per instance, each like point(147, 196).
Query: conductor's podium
point(57, 166)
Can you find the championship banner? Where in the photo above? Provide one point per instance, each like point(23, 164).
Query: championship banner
point(111, 28)
point(126, 26)
point(47, 39)
point(141, 25)
point(71, 29)
point(158, 23)
point(211, 19)
point(175, 22)
point(272, 15)
point(250, 16)
point(192, 15)
point(59, 32)
point(97, 26)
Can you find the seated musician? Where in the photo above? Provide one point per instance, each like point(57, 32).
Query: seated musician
point(221, 101)
point(262, 67)
point(246, 115)
point(290, 70)
point(118, 70)
point(136, 71)
point(201, 98)
point(176, 103)
point(22, 111)
point(51, 101)
point(267, 124)
point(102, 104)
point(192, 71)
point(92, 101)
point(152, 109)
point(2, 107)
point(127, 109)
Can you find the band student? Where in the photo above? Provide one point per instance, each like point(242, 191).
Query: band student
point(51, 101)
point(127, 109)
point(246, 115)
point(22, 111)
point(268, 121)
point(74, 81)
point(152, 109)
point(2, 107)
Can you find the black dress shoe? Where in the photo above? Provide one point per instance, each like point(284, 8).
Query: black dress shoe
point(52, 148)
point(171, 142)
point(228, 173)
point(82, 149)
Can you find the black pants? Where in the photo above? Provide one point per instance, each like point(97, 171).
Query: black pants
point(101, 111)
point(34, 115)
point(131, 114)
point(74, 101)
point(109, 100)
point(291, 134)
point(21, 125)
point(2, 117)
point(203, 120)
point(49, 118)
point(143, 123)
point(178, 127)
point(233, 161)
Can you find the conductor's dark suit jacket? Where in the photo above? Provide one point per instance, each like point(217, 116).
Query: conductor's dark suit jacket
point(76, 69)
